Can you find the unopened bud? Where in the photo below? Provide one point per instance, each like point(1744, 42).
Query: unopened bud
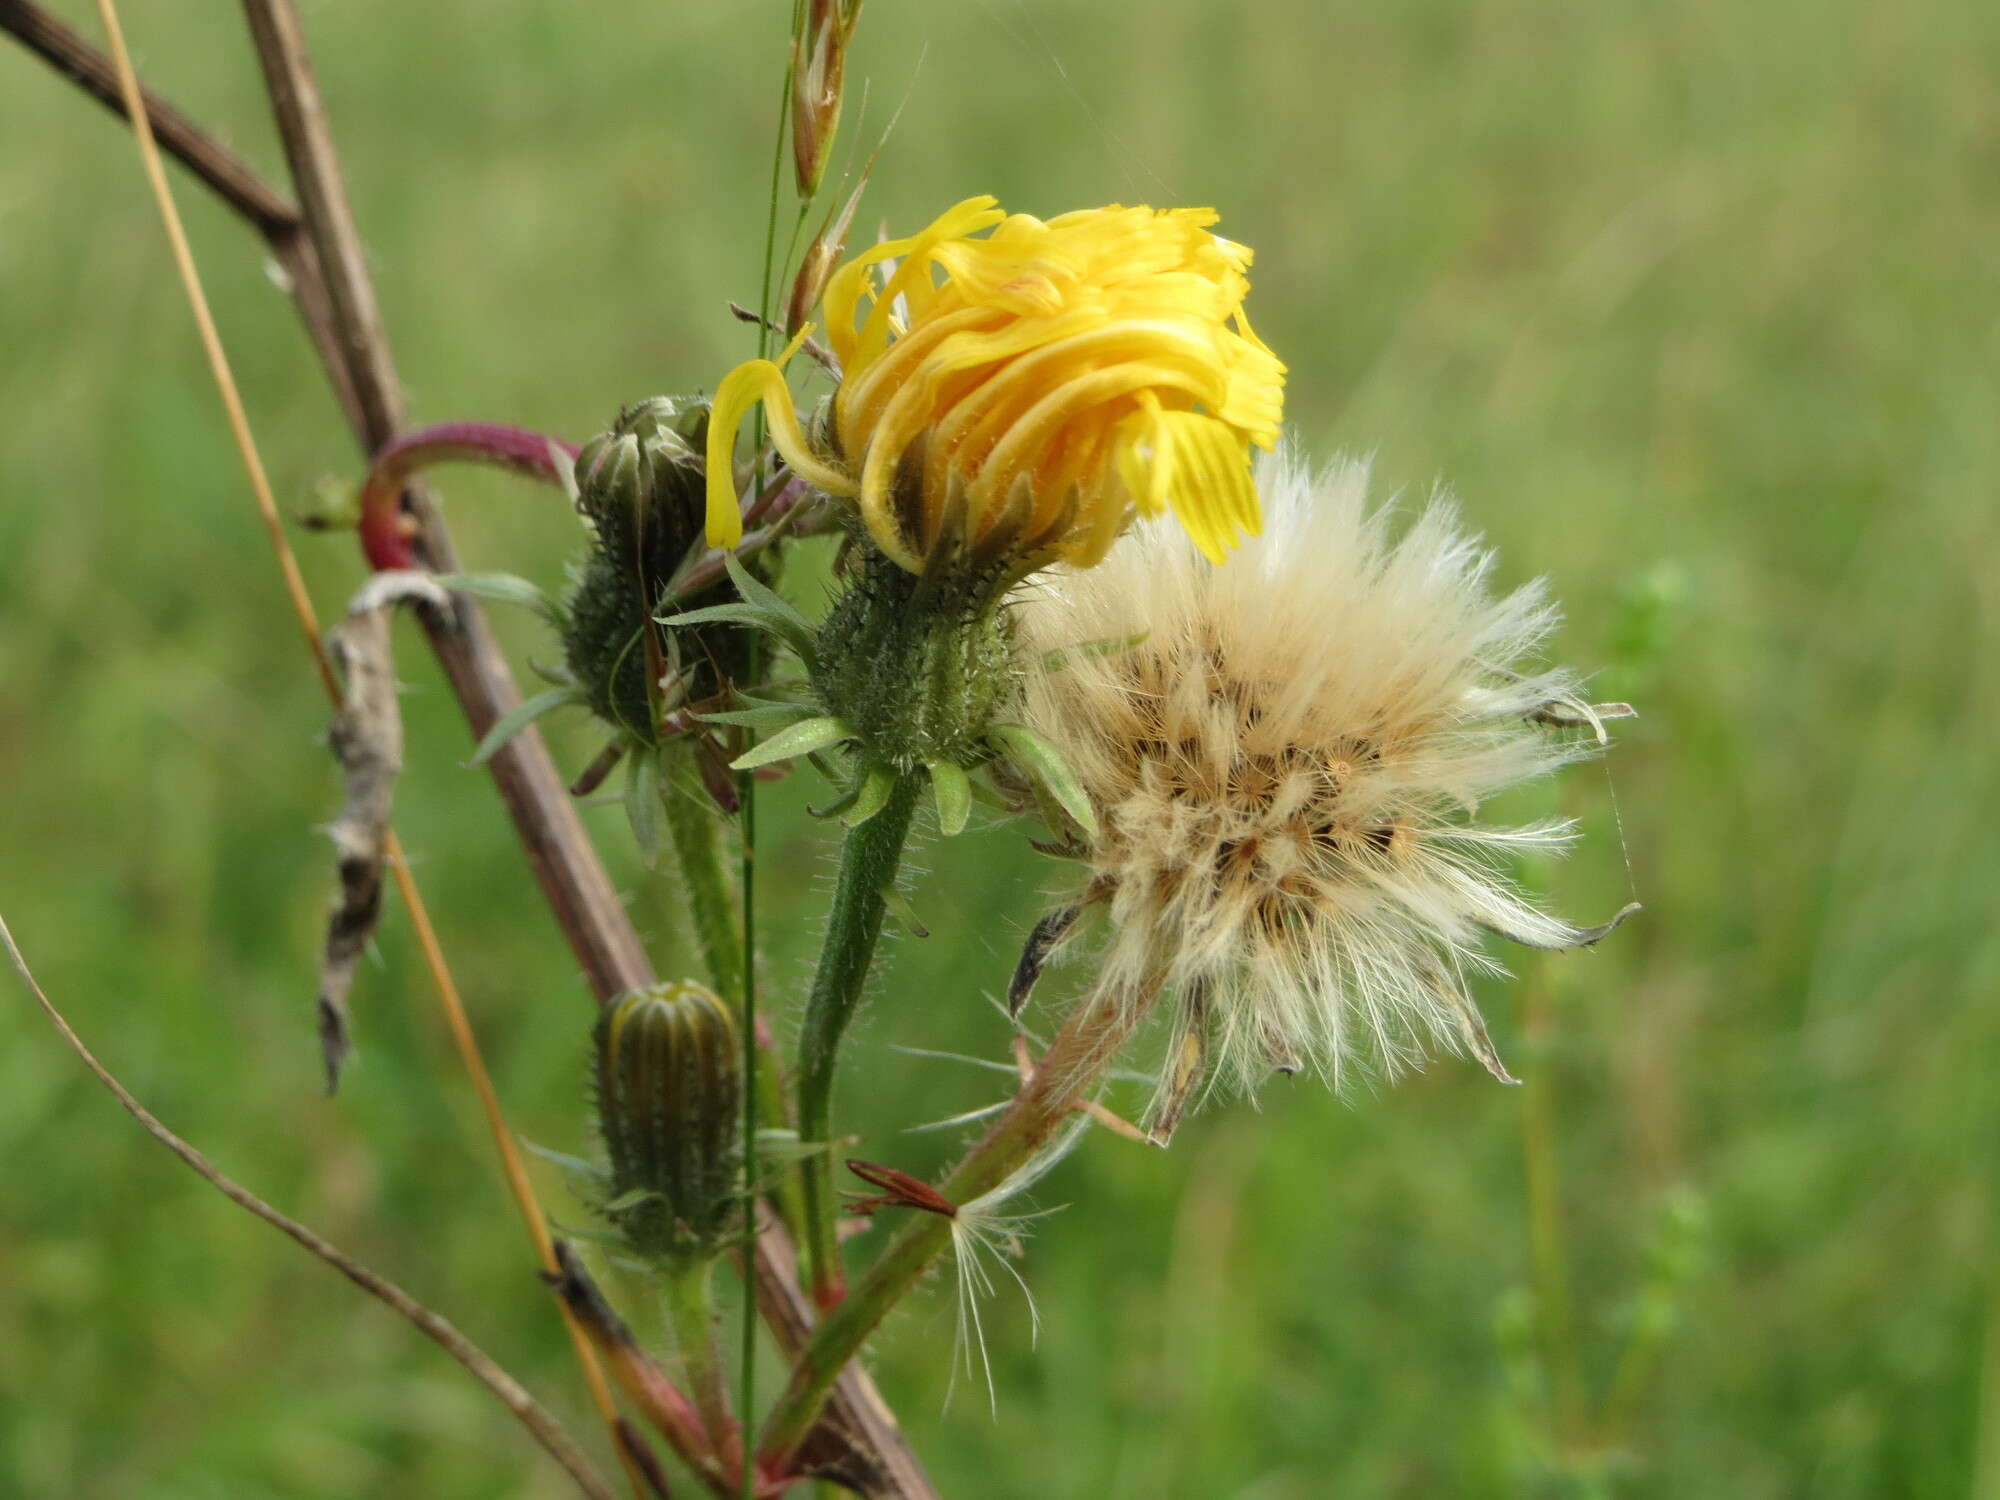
point(822, 257)
point(815, 266)
point(607, 475)
point(669, 1100)
point(640, 486)
point(646, 466)
point(666, 426)
point(819, 68)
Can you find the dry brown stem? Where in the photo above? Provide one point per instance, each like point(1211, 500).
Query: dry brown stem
point(319, 247)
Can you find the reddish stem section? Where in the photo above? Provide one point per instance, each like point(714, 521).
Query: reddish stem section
point(384, 538)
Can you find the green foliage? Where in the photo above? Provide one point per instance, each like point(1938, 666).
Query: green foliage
point(1703, 286)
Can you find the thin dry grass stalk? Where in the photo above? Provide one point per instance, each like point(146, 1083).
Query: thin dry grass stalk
point(295, 588)
point(232, 179)
point(531, 1414)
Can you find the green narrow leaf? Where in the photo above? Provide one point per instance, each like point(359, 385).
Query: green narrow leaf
point(789, 744)
point(754, 591)
point(800, 640)
point(609, 1239)
point(1044, 764)
point(574, 1165)
point(953, 790)
point(503, 588)
point(631, 1199)
point(900, 908)
point(763, 715)
point(872, 797)
point(734, 613)
point(642, 803)
point(587, 1180)
point(558, 675)
point(849, 795)
point(518, 718)
point(981, 792)
point(783, 1147)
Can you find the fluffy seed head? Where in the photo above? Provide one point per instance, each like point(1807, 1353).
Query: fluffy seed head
point(1286, 755)
point(1023, 394)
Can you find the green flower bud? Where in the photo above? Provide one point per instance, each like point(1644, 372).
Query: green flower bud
point(640, 486)
point(669, 1102)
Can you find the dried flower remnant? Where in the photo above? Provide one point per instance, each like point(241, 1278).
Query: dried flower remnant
point(366, 737)
point(1285, 756)
point(1021, 396)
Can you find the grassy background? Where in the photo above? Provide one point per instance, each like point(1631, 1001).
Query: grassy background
point(1696, 306)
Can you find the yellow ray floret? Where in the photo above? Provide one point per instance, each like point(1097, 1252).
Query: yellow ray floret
point(1026, 392)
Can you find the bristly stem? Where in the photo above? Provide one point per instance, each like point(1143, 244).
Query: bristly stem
point(755, 1073)
point(693, 826)
point(1075, 1059)
point(869, 860)
point(746, 798)
point(691, 1312)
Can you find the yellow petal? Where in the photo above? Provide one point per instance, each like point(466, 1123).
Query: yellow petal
point(741, 389)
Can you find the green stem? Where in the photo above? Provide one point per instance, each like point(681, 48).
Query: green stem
point(696, 832)
point(1081, 1051)
point(762, 1074)
point(781, 1188)
point(746, 785)
point(868, 863)
point(691, 1312)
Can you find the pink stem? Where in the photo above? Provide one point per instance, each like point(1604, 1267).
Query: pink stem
point(383, 538)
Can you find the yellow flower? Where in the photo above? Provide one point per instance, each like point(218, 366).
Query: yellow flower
point(1030, 390)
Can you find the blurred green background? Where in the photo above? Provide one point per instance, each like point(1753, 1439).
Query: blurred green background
point(1698, 307)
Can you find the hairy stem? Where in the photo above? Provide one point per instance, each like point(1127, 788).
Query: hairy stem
point(696, 833)
point(868, 863)
point(691, 1312)
point(1076, 1058)
point(759, 1097)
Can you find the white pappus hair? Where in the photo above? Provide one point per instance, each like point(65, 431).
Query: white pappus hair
point(1286, 754)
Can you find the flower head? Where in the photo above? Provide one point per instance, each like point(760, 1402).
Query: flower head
point(1285, 756)
point(1023, 394)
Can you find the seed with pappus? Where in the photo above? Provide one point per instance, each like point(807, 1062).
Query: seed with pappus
point(1286, 756)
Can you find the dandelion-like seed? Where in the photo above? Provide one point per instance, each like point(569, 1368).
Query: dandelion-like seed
point(1285, 755)
point(1022, 395)
point(982, 1230)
